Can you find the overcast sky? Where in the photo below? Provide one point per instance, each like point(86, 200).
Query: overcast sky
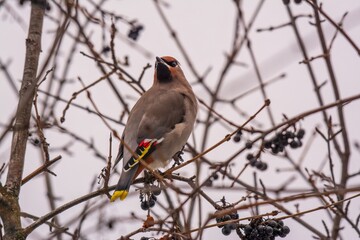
point(205, 29)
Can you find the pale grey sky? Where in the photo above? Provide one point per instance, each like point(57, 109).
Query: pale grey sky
point(205, 28)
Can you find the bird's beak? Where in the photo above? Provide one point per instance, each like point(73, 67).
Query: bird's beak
point(158, 60)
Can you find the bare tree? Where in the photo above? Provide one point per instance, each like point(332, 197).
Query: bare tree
point(250, 169)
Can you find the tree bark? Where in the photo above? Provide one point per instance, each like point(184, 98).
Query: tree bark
point(9, 194)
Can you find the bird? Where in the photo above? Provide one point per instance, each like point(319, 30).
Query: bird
point(158, 125)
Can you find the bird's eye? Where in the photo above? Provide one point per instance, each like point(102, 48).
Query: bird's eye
point(173, 63)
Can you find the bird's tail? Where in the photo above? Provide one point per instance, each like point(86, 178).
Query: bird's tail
point(122, 188)
point(132, 168)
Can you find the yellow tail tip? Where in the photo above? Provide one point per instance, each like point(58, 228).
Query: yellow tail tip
point(119, 194)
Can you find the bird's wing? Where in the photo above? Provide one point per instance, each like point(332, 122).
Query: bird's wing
point(162, 112)
point(120, 153)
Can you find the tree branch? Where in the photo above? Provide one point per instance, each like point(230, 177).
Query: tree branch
point(10, 215)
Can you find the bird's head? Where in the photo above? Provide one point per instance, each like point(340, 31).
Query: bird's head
point(167, 69)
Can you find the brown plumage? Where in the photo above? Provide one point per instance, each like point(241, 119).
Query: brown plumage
point(159, 124)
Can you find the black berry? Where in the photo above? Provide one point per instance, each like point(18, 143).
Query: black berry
point(294, 144)
point(215, 176)
point(272, 223)
point(300, 134)
point(151, 203)
point(248, 229)
point(269, 230)
point(253, 162)
point(227, 218)
point(153, 197)
point(286, 229)
point(289, 134)
point(234, 216)
point(145, 205)
point(248, 145)
point(237, 136)
point(250, 156)
point(258, 164)
point(226, 230)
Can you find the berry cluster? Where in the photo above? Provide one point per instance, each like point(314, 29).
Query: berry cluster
point(228, 227)
point(148, 198)
point(134, 32)
point(237, 138)
point(233, 215)
point(210, 180)
point(286, 2)
point(259, 229)
point(283, 139)
point(254, 162)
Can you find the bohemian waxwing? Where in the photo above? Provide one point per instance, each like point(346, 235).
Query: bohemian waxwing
point(158, 125)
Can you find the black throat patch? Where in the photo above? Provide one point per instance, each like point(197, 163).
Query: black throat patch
point(163, 73)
